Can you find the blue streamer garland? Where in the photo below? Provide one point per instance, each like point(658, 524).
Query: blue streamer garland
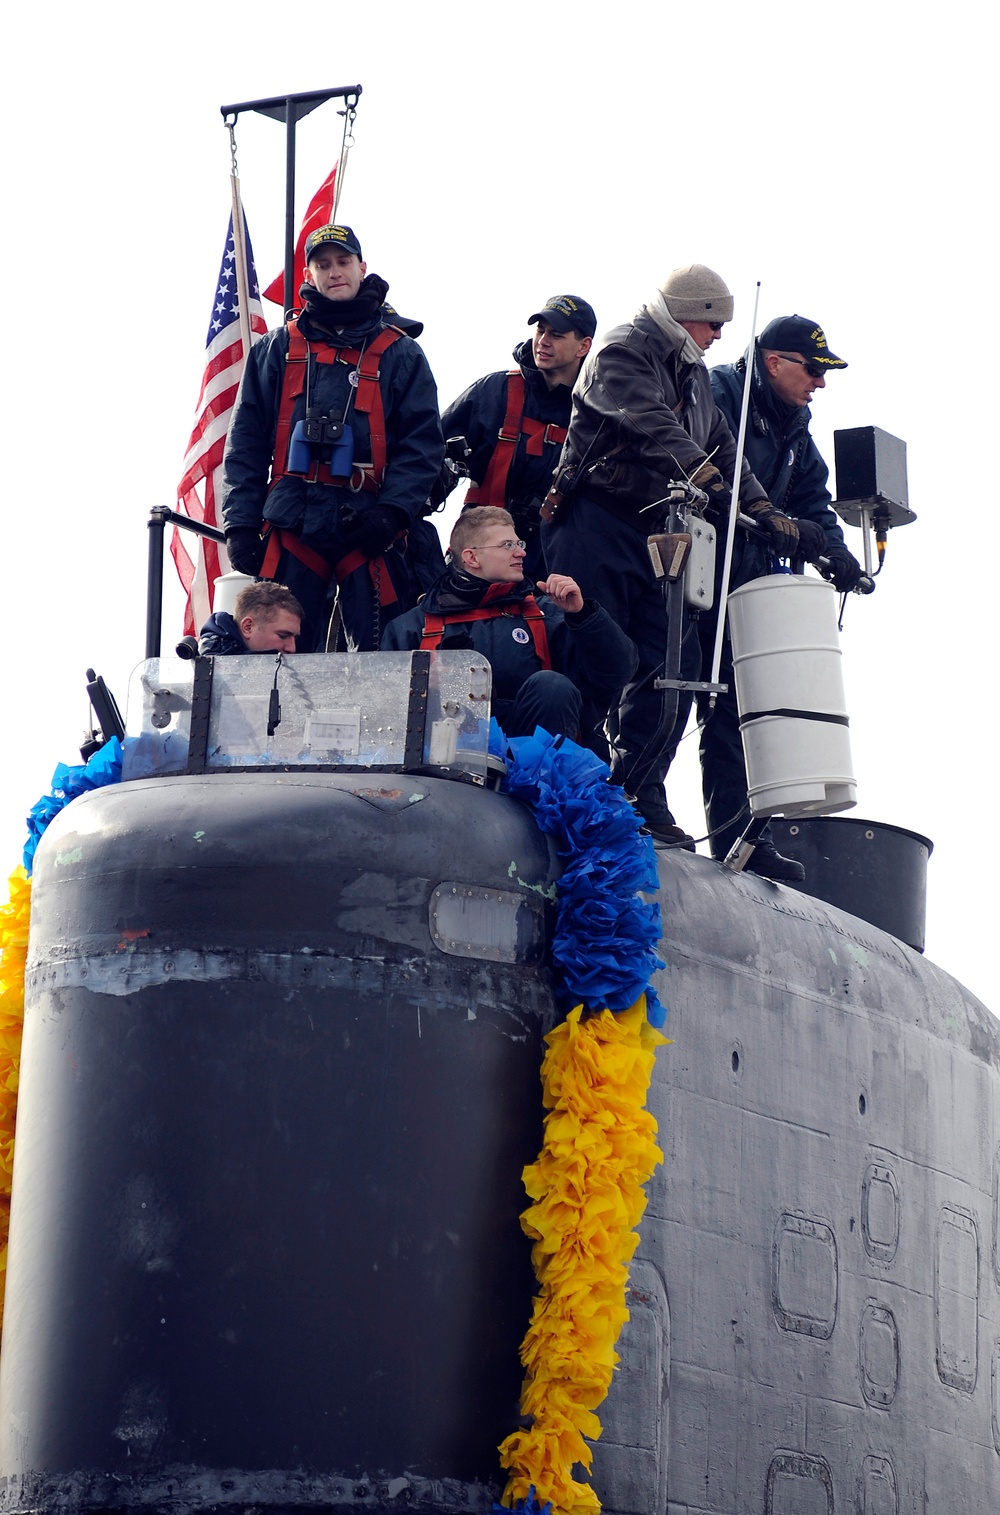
point(104, 767)
point(529, 1506)
point(606, 936)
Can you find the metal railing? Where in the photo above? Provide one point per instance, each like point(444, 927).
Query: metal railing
point(160, 517)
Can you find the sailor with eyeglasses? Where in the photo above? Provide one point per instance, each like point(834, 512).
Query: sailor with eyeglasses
point(547, 654)
point(791, 360)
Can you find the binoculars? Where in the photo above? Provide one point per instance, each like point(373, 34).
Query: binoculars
point(321, 439)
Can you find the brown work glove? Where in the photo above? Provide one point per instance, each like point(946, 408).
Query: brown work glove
point(707, 477)
point(782, 532)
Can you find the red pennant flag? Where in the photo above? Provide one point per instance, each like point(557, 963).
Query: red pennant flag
point(320, 213)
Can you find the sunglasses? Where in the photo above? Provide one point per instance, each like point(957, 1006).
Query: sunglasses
point(812, 369)
point(716, 325)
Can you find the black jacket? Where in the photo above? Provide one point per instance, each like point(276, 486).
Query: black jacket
point(586, 645)
point(782, 454)
point(643, 415)
point(220, 636)
point(478, 414)
point(413, 434)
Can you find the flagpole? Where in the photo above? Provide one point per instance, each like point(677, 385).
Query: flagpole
point(242, 282)
point(289, 109)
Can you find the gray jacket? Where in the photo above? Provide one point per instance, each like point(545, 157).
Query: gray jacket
point(644, 415)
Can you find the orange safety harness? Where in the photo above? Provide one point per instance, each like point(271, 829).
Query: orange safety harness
point(367, 400)
point(526, 609)
point(365, 476)
point(493, 489)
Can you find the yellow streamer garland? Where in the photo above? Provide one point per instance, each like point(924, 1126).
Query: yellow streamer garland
point(598, 1151)
point(13, 952)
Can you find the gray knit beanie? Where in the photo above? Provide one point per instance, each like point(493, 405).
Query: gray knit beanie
point(695, 293)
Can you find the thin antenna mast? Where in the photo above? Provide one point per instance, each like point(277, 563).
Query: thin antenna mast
point(734, 504)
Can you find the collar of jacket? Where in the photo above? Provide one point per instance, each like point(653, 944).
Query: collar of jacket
point(547, 404)
point(678, 336)
point(362, 315)
point(524, 357)
point(220, 635)
point(456, 590)
point(771, 412)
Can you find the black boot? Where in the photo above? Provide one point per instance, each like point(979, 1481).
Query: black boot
point(767, 862)
point(666, 834)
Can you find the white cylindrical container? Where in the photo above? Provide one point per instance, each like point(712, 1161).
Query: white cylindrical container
point(790, 694)
point(227, 587)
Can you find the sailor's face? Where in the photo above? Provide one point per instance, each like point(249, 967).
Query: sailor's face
point(704, 332)
point(790, 377)
point(558, 353)
point(498, 558)
point(335, 273)
point(278, 634)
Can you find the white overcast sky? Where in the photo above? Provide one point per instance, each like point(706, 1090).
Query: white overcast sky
point(845, 155)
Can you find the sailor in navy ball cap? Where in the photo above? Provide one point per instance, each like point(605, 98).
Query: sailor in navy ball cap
point(791, 360)
point(333, 448)
point(514, 424)
point(509, 427)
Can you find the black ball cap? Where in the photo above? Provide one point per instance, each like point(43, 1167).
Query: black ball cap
point(567, 313)
point(332, 236)
point(796, 334)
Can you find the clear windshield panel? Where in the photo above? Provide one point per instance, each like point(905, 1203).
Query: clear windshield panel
point(347, 711)
point(457, 727)
point(350, 711)
point(158, 718)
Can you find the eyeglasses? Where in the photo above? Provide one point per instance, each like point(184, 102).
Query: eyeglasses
point(716, 325)
point(812, 369)
point(498, 546)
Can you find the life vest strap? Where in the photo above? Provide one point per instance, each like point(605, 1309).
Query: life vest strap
point(528, 610)
point(493, 489)
point(377, 569)
point(540, 435)
point(367, 400)
point(279, 539)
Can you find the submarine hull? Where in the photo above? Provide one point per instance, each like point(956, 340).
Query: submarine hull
point(265, 1252)
point(815, 1299)
point(265, 1244)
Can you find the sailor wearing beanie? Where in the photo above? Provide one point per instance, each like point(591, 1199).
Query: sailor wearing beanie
point(644, 415)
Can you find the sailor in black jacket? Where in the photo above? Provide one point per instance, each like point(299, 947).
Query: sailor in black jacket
point(545, 656)
point(266, 618)
point(791, 360)
point(333, 507)
point(643, 415)
point(515, 422)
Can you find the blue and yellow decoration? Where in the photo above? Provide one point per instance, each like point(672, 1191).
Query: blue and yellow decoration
point(13, 951)
point(599, 1144)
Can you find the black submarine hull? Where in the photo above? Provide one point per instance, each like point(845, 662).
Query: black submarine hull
point(269, 1148)
point(280, 1077)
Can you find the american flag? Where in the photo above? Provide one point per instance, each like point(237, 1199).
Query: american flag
point(198, 560)
point(318, 213)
